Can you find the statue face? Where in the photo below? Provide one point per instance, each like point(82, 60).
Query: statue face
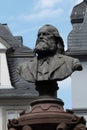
point(45, 41)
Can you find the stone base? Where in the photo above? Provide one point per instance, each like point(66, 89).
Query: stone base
point(47, 113)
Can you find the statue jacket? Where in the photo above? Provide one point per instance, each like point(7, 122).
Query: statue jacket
point(57, 67)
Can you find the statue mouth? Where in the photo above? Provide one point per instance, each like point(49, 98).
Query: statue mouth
point(45, 41)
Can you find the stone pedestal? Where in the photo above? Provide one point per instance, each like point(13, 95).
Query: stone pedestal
point(47, 113)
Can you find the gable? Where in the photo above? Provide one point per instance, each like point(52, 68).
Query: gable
point(3, 44)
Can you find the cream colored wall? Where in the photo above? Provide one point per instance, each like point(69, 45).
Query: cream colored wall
point(4, 72)
point(79, 88)
point(1, 120)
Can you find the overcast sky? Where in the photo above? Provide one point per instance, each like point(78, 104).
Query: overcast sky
point(25, 17)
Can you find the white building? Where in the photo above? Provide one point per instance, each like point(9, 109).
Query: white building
point(77, 47)
point(15, 93)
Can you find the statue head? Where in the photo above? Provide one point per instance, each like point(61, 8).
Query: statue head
point(49, 40)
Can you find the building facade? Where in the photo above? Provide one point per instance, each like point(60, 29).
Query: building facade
point(77, 47)
point(15, 93)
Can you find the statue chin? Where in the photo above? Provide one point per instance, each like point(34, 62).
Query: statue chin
point(41, 49)
point(45, 53)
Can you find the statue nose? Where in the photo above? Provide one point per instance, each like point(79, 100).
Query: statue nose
point(41, 36)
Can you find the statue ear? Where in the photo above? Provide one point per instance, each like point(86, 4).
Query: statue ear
point(60, 47)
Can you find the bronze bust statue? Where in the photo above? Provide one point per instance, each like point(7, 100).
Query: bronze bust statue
point(50, 63)
point(49, 66)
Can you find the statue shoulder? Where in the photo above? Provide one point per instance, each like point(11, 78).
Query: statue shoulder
point(76, 65)
point(71, 61)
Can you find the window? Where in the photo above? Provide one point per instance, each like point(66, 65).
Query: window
point(13, 113)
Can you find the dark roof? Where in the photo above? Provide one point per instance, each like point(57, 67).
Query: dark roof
point(7, 36)
point(13, 62)
point(16, 53)
point(78, 12)
point(77, 38)
point(26, 91)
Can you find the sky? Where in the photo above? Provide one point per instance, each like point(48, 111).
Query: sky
point(25, 17)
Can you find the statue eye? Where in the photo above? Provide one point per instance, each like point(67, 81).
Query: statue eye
point(43, 34)
point(47, 33)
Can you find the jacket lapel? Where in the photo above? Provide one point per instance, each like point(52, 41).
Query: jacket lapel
point(33, 65)
point(56, 62)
